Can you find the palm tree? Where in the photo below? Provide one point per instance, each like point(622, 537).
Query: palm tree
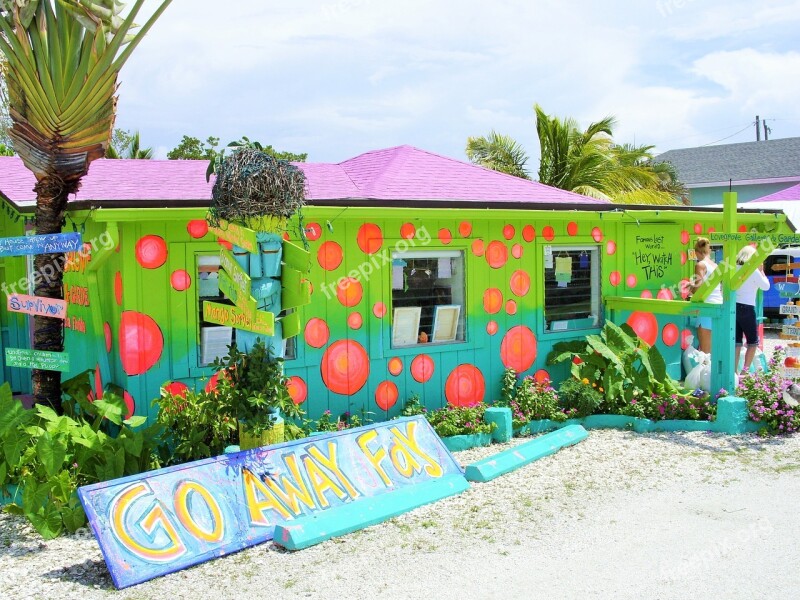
point(499, 153)
point(64, 57)
point(132, 150)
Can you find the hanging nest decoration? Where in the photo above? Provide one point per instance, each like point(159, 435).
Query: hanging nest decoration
point(251, 184)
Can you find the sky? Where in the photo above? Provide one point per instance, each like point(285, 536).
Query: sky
point(336, 78)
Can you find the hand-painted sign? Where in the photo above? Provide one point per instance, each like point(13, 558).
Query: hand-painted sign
point(232, 316)
point(236, 235)
point(789, 309)
point(790, 331)
point(37, 359)
point(37, 305)
point(40, 244)
point(234, 270)
point(227, 286)
point(654, 257)
point(163, 521)
point(787, 289)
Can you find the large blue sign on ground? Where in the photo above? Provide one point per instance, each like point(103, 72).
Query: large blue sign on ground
point(52, 243)
point(163, 521)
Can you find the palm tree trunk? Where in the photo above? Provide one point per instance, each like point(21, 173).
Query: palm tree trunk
point(52, 195)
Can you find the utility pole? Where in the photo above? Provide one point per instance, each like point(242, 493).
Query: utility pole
point(766, 131)
point(758, 129)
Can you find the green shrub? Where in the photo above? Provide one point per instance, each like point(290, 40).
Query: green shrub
point(459, 420)
point(578, 399)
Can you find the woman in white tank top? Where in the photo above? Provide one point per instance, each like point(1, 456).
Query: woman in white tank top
point(703, 269)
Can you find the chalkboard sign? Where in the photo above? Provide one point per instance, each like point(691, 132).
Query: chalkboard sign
point(37, 359)
point(652, 257)
point(40, 244)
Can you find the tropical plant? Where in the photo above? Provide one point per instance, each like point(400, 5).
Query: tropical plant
point(127, 145)
point(499, 153)
point(5, 119)
point(459, 420)
point(63, 58)
point(191, 148)
point(413, 406)
point(49, 456)
point(579, 399)
point(763, 391)
point(346, 420)
point(529, 400)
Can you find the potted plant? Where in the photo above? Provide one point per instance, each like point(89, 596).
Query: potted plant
point(252, 387)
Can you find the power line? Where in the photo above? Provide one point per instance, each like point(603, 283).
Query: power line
point(748, 126)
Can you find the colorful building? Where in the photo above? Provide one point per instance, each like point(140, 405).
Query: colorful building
point(429, 276)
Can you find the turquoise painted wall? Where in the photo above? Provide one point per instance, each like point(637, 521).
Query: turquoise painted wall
point(713, 195)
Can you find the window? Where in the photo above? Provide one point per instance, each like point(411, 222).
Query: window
point(571, 287)
point(428, 294)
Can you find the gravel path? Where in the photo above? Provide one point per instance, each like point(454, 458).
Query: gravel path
point(619, 515)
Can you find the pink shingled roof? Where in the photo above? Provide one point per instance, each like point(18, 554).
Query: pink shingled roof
point(394, 174)
point(791, 193)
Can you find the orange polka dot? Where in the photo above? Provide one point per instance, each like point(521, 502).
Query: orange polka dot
point(684, 237)
point(509, 232)
point(528, 233)
point(611, 247)
point(548, 233)
point(742, 228)
point(197, 228)
point(395, 366)
point(297, 388)
point(520, 283)
point(349, 291)
point(317, 332)
point(141, 342)
point(180, 280)
point(491, 327)
point(492, 301)
point(313, 231)
point(670, 334)
point(511, 307)
point(542, 376)
point(286, 237)
point(329, 256)
point(465, 229)
point(478, 248)
point(151, 251)
point(684, 258)
point(386, 395)
point(177, 389)
point(408, 231)
point(369, 238)
point(465, 386)
point(614, 278)
point(345, 367)
point(224, 243)
point(107, 334)
point(422, 368)
point(355, 320)
point(516, 250)
point(597, 234)
point(645, 325)
point(379, 309)
point(496, 254)
point(445, 236)
point(572, 228)
point(685, 335)
point(118, 288)
point(518, 349)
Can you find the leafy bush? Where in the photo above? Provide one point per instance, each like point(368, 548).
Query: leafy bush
point(696, 406)
point(50, 456)
point(764, 394)
point(529, 400)
point(578, 398)
point(346, 420)
point(413, 406)
point(459, 420)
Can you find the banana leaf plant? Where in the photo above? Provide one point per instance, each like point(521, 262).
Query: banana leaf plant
point(64, 57)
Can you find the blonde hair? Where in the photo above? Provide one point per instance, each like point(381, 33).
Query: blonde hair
point(702, 244)
point(745, 254)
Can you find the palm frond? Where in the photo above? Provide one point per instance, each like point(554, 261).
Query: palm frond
point(499, 153)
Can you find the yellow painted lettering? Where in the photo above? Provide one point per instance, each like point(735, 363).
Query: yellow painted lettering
point(259, 499)
point(404, 461)
point(433, 468)
point(183, 494)
point(291, 493)
point(332, 463)
point(321, 482)
point(374, 458)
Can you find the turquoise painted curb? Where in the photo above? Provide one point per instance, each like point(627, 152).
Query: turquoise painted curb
point(313, 529)
point(501, 415)
point(514, 458)
point(12, 494)
point(233, 449)
point(542, 426)
point(733, 416)
point(457, 443)
point(681, 425)
point(609, 422)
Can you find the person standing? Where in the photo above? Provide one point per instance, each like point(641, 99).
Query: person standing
point(746, 326)
point(703, 269)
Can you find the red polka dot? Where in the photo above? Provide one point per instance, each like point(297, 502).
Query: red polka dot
point(286, 236)
point(572, 228)
point(445, 236)
point(177, 389)
point(197, 228)
point(520, 283)
point(213, 382)
point(528, 233)
point(645, 325)
point(151, 251)
point(225, 244)
point(631, 280)
point(317, 332)
point(516, 250)
point(329, 256)
point(698, 228)
point(355, 320)
point(684, 287)
point(180, 280)
point(511, 307)
point(492, 301)
point(369, 238)
point(611, 247)
point(118, 288)
point(685, 335)
point(742, 228)
point(345, 367)
point(313, 231)
point(408, 231)
point(597, 234)
point(684, 258)
point(422, 368)
point(386, 395)
point(548, 233)
point(478, 248)
point(518, 349)
point(614, 278)
point(669, 335)
point(107, 334)
point(349, 291)
point(542, 376)
point(297, 388)
point(491, 327)
point(130, 404)
point(711, 229)
point(646, 294)
point(465, 229)
point(395, 366)
point(465, 386)
point(496, 254)
point(684, 237)
point(509, 232)
point(140, 342)
point(665, 294)
point(379, 309)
